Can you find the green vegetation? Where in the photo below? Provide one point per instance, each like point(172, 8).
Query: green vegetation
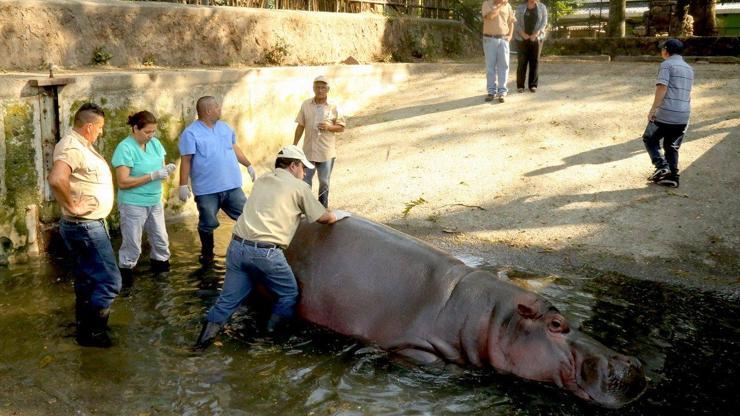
point(101, 56)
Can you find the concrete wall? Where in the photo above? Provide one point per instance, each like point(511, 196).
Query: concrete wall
point(260, 104)
point(67, 33)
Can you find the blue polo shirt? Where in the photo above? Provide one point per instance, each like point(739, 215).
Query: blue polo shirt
point(214, 167)
point(141, 162)
point(678, 76)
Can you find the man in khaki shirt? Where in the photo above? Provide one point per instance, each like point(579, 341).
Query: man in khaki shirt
point(320, 120)
point(498, 27)
point(267, 225)
point(82, 184)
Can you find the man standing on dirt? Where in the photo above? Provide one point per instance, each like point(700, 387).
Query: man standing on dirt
point(498, 27)
point(82, 184)
point(320, 120)
point(210, 158)
point(669, 115)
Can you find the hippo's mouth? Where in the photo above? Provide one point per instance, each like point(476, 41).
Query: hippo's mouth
point(611, 383)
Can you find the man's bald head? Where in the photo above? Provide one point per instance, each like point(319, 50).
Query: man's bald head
point(205, 105)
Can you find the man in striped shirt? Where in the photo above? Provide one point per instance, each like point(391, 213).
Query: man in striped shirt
point(669, 115)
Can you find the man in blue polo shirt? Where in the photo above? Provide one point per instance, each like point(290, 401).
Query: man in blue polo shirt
point(669, 115)
point(210, 158)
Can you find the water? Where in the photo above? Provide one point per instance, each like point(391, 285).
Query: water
point(687, 339)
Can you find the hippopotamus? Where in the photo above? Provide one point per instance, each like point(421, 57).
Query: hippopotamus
point(371, 282)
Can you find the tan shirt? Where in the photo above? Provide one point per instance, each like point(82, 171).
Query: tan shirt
point(499, 25)
point(318, 145)
point(273, 210)
point(91, 176)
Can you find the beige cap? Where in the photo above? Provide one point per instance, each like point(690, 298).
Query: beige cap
point(294, 152)
point(321, 78)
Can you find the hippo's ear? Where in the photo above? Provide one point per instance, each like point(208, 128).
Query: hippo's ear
point(526, 311)
point(527, 306)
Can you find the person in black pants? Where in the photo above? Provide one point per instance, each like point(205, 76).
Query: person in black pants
point(529, 32)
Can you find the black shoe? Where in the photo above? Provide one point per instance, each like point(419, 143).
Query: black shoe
point(489, 97)
point(276, 324)
point(93, 330)
point(501, 98)
point(659, 174)
point(207, 335)
point(670, 181)
point(206, 248)
point(127, 277)
point(159, 266)
point(532, 89)
point(520, 90)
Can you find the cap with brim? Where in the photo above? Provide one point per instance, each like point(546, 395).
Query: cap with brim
point(294, 152)
point(321, 78)
point(672, 45)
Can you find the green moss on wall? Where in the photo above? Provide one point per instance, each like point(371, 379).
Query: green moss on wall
point(20, 167)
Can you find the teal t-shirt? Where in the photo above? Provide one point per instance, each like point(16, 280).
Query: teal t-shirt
point(128, 153)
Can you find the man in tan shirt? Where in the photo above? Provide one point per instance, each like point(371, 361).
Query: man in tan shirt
point(320, 121)
point(498, 27)
point(267, 225)
point(82, 184)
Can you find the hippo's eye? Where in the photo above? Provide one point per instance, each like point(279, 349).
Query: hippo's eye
point(558, 325)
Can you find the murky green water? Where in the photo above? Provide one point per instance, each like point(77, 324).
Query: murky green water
point(687, 339)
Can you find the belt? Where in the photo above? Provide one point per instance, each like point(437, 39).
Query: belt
point(256, 244)
point(494, 36)
point(80, 220)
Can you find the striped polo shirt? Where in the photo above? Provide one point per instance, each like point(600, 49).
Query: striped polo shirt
point(678, 76)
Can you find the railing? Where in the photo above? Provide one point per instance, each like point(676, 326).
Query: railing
point(434, 9)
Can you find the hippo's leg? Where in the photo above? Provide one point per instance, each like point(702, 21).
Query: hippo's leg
point(419, 356)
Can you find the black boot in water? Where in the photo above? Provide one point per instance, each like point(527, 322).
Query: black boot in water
point(127, 278)
point(92, 331)
point(159, 266)
point(206, 248)
point(207, 335)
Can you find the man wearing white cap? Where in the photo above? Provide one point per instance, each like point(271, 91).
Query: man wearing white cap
point(263, 230)
point(320, 120)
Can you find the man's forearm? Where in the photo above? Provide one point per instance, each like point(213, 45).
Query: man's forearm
point(297, 135)
point(185, 169)
point(660, 92)
point(241, 157)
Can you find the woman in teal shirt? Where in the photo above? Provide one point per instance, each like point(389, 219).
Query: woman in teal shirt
point(140, 169)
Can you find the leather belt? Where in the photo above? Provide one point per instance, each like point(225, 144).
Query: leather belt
point(256, 244)
point(494, 36)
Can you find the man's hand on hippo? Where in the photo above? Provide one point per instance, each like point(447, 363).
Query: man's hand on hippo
point(341, 214)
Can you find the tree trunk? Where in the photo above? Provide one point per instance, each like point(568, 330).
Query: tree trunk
point(705, 19)
point(617, 11)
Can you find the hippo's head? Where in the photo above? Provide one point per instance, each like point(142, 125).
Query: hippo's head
point(539, 344)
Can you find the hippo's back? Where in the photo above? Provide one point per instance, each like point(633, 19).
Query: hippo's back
point(366, 280)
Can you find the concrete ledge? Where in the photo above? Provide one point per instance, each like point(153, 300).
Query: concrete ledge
point(576, 58)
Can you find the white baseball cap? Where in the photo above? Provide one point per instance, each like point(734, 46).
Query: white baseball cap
point(321, 78)
point(294, 152)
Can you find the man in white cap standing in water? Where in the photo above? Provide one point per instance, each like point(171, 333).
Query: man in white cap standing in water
point(264, 229)
point(320, 120)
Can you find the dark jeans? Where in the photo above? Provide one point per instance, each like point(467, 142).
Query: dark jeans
point(528, 53)
point(231, 201)
point(324, 169)
point(247, 265)
point(97, 278)
point(672, 135)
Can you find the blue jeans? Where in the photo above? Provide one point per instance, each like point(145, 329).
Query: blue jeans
point(231, 201)
point(324, 169)
point(247, 265)
point(496, 52)
point(672, 135)
point(97, 278)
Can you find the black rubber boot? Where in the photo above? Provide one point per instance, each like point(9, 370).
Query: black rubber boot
point(207, 335)
point(276, 324)
point(159, 266)
point(94, 329)
point(206, 247)
point(127, 277)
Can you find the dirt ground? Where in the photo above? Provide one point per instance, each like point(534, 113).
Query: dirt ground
point(553, 181)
